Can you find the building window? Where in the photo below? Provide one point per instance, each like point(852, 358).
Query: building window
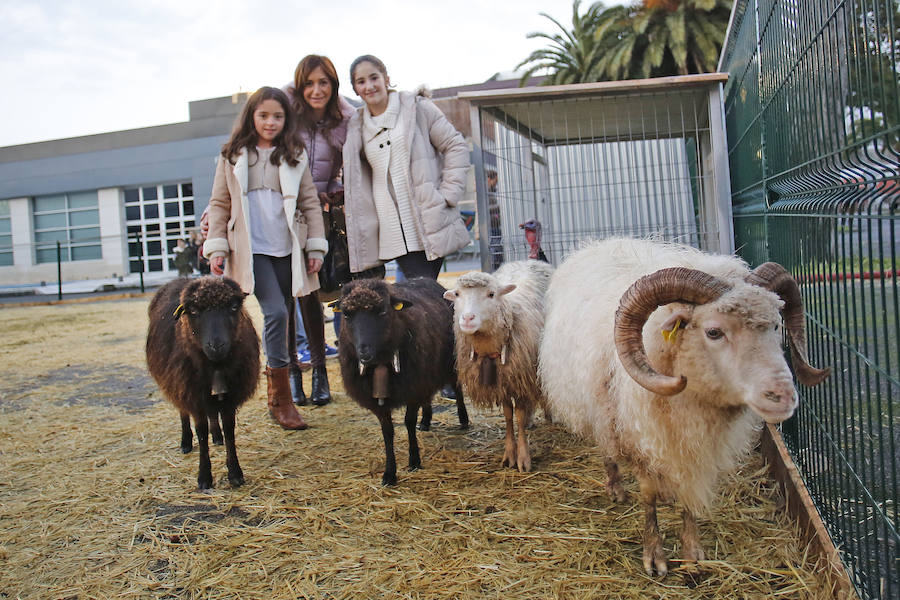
point(73, 220)
point(157, 216)
point(6, 250)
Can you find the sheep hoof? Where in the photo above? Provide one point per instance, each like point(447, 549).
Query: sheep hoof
point(186, 449)
point(617, 492)
point(424, 427)
point(236, 480)
point(389, 479)
point(693, 554)
point(218, 440)
point(655, 558)
point(464, 426)
point(204, 484)
point(524, 466)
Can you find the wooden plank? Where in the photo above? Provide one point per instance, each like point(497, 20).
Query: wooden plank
point(801, 507)
point(601, 87)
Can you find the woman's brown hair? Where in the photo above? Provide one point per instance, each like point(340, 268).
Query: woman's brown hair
point(287, 144)
point(305, 118)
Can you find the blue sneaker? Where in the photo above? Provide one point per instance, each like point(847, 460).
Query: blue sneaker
point(304, 359)
point(330, 351)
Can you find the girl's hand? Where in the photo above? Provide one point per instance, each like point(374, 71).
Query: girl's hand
point(313, 265)
point(217, 265)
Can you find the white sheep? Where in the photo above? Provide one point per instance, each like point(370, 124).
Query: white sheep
point(497, 326)
point(691, 405)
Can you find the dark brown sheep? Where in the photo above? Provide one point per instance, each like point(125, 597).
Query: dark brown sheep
point(396, 349)
point(203, 352)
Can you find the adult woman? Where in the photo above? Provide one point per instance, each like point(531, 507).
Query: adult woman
point(322, 116)
point(264, 216)
point(405, 170)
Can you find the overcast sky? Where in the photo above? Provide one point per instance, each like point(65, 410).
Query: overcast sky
point(77, 68)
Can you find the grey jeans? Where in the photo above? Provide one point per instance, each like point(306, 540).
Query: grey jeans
point(273, 291)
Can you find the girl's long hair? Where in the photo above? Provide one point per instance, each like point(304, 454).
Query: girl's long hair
point(305, 115)
point(288, 144)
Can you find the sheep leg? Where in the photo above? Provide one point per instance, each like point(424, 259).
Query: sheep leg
point(690, 538)
point(235, 474)
point(215, 430)
point(523, 459)
point(412, 411)
point(614, 482)
point(509, 451)
point(425, 423)
point(204, 473)
point(387, 432)
point(654, 556)
point(187, 436)
point(461, 413)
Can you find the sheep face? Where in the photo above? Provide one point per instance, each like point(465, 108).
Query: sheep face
point(476, 301)
point(730, 351)
point(368, 318)
point(212, 314)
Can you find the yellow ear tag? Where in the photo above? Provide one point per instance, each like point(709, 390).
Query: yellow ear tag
point(398, 306)
point(671, 334)
point(179, 310)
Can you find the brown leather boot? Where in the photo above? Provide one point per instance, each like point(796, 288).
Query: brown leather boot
point(280, 406)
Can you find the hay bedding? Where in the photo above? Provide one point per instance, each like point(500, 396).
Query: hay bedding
point(96, 501)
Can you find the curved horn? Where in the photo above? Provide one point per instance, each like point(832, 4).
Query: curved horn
point(776, 278)
point(676, 284)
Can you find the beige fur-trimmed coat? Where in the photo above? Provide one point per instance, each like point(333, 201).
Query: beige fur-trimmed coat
point(229, 229)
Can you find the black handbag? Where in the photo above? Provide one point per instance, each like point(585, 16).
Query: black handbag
point(335, 270)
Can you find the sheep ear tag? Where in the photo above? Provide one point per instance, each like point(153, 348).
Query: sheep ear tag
point(179, 310)
point(670, 334)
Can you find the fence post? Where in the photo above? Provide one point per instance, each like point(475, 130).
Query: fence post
point(58, 270)
point(140, 259)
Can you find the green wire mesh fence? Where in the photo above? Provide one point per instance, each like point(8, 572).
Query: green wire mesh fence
point(813, 120)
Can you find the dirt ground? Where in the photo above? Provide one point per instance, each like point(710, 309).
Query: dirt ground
point(96, 500)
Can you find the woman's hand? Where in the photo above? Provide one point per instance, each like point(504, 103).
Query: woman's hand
point(217, 265)
point(313, 265)
point(204, 223)
point(332, 199)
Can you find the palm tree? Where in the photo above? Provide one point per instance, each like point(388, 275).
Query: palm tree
point(573, 55)
point(657, 38)
point(652, 38)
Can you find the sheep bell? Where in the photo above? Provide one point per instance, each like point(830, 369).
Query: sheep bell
point(380, 383)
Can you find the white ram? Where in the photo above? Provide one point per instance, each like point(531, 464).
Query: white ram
point(497, 326)
point(670, 359)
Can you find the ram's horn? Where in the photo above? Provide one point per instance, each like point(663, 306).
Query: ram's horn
point(776, 278)
point(677, 284)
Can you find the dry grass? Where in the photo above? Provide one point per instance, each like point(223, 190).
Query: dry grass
point(96, 501)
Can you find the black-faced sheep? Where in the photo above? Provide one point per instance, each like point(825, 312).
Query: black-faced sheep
point(396, 349)
point(203, 352)
point(691, 405)
point(497, 325)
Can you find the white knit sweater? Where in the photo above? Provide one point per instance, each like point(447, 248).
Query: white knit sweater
point(386, 152)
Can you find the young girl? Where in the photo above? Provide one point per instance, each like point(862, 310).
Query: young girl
point(264, 216)
point(322, 116)
point(405, 170)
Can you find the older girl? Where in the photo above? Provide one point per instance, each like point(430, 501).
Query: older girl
point(405, 170)
point(264, 216)
point(322, 116)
